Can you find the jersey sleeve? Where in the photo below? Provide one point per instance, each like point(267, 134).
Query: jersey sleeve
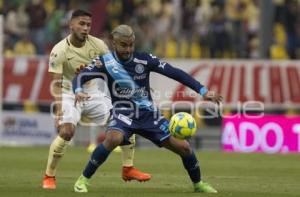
point(164, 68)
point(94, 70)
point(56, 60)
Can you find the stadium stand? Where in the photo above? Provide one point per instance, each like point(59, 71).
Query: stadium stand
point(202, 29)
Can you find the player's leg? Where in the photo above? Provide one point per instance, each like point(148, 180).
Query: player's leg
point(157, 131)
point(129, 172)
point(56, 151)
point(97, 109)
point(190, 163)
point(59, 145)
point(112, 140)
point(127, 155)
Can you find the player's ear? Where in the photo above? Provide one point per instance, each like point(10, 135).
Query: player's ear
point(111, 39)
point(70, 27)
point(113, 43)
point(71, 22)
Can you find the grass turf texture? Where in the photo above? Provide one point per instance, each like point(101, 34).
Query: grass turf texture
point(21, 171)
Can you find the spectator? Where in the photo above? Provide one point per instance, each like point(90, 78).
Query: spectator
point(193, 28)
point(171, 47)
point(25, 47)
point(290, 22)
point(163, 26)
point(253, 48)
point(203, 16)
point(54, 24)
point(37, 21)
point(297, 42)
point(235, 11)
point(12, 26)
point(219, 42)
point(278, 49)
point(8, 49)
point(187, 27)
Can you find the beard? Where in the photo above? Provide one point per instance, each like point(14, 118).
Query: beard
point(80, 37)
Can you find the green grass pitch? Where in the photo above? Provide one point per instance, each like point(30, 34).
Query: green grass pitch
point(232, 174)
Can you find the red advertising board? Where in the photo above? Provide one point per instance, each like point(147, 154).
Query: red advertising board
point(274, 83)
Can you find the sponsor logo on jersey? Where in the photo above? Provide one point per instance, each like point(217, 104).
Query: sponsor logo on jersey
point(110, 62)
point(125, 119)
point(128, 92)
point(139, 77)
point(139, 68)
point(140, 61)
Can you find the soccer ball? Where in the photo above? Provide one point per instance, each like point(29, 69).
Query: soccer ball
point(182, 125)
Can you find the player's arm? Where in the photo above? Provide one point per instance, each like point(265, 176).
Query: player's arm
point(181, 76)
point(90, 72)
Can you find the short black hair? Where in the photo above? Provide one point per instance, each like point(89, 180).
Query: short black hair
point(78, 13)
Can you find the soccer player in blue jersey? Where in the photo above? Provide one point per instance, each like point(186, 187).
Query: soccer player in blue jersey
point(127, 74)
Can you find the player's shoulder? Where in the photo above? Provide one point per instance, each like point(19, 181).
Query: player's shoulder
point(95, 40)
point(61, 46)
point(146, 59)
point(97, 44)
point(144, 56)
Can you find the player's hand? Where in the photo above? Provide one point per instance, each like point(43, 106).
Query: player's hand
point(213, 96)
point(81, 96)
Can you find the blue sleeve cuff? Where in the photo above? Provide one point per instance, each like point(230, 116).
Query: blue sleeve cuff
point(203, 91)
point(78, 90)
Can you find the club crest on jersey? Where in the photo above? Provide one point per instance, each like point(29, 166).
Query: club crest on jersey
point(139, 68)
point(92, 53)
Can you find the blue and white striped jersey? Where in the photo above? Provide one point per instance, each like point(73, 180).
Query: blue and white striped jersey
point(129, 82)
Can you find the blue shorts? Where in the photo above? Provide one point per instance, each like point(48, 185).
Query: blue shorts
point(149, 124)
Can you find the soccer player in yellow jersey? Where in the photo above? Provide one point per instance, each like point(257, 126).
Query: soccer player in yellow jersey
point(66, 59)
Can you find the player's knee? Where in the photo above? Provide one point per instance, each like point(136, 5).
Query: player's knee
point(66, 131)
point(113, 139)
point(185, 148)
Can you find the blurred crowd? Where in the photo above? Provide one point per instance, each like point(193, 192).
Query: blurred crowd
point(168, 28)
